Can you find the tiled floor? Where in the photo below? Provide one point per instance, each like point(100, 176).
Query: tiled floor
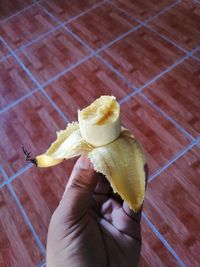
point(147, 54)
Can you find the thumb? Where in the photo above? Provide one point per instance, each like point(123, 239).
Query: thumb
point(78, 193)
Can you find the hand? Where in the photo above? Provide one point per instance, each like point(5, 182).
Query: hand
point(92, 226)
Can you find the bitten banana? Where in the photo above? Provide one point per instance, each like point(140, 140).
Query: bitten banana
point(111, 148)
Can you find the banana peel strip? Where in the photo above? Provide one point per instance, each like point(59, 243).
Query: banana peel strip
point(122, 161)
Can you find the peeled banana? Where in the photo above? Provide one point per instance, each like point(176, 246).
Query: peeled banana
point(111, 148)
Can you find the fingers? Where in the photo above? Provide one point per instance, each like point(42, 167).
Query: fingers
point(78, 193)
point(114, 213)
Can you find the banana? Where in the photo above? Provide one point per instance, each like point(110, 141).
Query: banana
point(100, 122)
point(112, 149)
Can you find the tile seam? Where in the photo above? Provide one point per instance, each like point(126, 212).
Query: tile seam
point(35, 81)
point(56, 107)
point(24, 214)
point(174, 159)
point(163, 240)
point(17, 13)
point(145, 24)
point(54, 28)
point(169, 118)
point(118, 74)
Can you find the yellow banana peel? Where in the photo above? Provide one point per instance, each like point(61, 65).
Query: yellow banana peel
point(112, 149)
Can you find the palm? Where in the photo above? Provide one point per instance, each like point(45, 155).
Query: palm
point(107, 235)
point(103, 233)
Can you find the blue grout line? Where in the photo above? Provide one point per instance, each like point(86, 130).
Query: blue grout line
point(168, 117)
point(167, 8)
point(26, 219)
point(5, 57)
point(195, 57)
point(170, 162)
point(41, 36)
point(19, 100)
point(54, 28)
point(167, 39)
point(117, 73)
point(42, 263)
point(85, 12)
point(34, 80)
point(145, 24)
point(25, 216)
point(71, 67)
point(56, 107)
point(18, 173)
point(163, 240)
point(17, 13)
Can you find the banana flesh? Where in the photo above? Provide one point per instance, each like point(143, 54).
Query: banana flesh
point(100, 122)
point(111, 148)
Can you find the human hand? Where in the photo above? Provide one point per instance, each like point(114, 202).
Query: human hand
point(92, 226)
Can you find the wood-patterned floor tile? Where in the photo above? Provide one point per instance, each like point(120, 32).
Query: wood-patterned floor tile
point(57, 51)
point(10, 7)
point(1, 178)
point(107, 24)
point(160, 138)
point(81, 86)
point(197, 54)
point(3, 50)
point(142, 9)
point(31, 123)
point(26, 26)
point(141, 56)
point(14, 82)
point(177, 94)
point(40, 191)
point(154, 253)
point(64, 10)
point(172, 204)
point(181, 24)
point(18, 247)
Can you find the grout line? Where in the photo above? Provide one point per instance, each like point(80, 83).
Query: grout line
point(42, 263)
point(118, 73)
point(139, 90)
point(5, 57)
point(19, 100)
point(162, 239)
point(167, 8)
point(87, 11)
point(18, 173)
point(166, 38)
point(71, 67)
point(41, 36)
point(195, 57)
point(25, 216)
point(167, 117)
point(145, 24)
point(23, 212)
point(158, 76)
point(109, 65)
point(55, 106)
point(54, 28)
point(119, 38)
point(170, 162)
point(17, 13)
point(35, 80)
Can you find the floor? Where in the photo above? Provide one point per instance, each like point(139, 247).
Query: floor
point(58, 56)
